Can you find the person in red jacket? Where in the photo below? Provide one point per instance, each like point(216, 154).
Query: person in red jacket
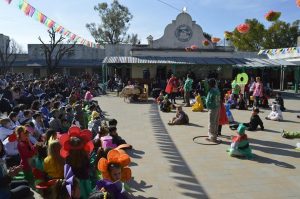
point(27, 151)
point(172, 88)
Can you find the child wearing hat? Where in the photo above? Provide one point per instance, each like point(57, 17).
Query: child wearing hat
point(240, 145)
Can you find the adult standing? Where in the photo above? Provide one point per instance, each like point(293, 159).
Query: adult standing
point(251, 87)
point(258, 91)
point(187, 90)
point(171, 88)
point(235, 89)
point(213, 106)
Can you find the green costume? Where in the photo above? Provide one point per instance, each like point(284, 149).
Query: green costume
point(240, 145)
point(290, 134)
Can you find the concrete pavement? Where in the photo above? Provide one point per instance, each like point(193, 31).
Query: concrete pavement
point(168, 164)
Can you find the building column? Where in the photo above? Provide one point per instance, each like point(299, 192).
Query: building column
point(296, 77)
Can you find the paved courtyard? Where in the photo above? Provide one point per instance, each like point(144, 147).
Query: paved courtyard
point(166, 163)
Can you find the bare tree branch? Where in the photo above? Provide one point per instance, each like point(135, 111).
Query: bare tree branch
point(55, 50)
point(9, 55)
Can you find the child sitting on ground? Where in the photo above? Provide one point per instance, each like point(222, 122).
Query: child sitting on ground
point(280, 101)
point(116, 139)
point(166, 105)
point(198, 106)
point(240, 145)
point(276, 114)
point(180, 118)
point(254, 122)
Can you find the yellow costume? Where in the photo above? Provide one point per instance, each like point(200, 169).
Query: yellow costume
point(198, 106)
point(53, 169)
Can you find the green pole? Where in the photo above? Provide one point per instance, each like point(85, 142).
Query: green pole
point(297, 76)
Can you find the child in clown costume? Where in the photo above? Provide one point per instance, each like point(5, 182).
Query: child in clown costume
point(240, 145)
point(115, 173)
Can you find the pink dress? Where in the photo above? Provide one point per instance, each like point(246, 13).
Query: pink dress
point(88, 96)
point(258, 90)
point(107, 142)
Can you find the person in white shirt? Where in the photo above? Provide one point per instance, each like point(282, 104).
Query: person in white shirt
point(6, 128)
point(38, 124)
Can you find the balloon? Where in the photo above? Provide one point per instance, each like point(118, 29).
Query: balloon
point(243, 28)
point(205, 42)
point(215, 39)
point(194, 47)
point(272, 15)
point(298, 3)
point(242, 78)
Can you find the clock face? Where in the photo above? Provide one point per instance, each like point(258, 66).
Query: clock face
point(183, 33)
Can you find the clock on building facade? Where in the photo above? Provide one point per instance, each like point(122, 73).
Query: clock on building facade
point(183, 33)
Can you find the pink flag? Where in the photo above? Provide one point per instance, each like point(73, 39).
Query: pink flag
point(27, 9)
point(49, 23)
point(8, 1)
point(32, 11)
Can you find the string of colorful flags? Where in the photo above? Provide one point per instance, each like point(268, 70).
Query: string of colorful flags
point(30, 11)
point(279, 51)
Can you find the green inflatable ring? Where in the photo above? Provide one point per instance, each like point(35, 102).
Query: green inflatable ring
point(242, 78)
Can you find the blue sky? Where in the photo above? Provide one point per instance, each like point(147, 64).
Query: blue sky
point(149, 16)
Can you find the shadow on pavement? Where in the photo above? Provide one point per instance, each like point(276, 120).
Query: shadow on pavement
point(138, 186)
point(195, 125)
point(270, 130)
point(265, 160)
point(291, 121)
point(142, 197)
point(185, 180)
point(292, 111)
point(135, 153)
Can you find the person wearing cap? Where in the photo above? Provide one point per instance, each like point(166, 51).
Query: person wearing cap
point(213, 106)
point(240, 145)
